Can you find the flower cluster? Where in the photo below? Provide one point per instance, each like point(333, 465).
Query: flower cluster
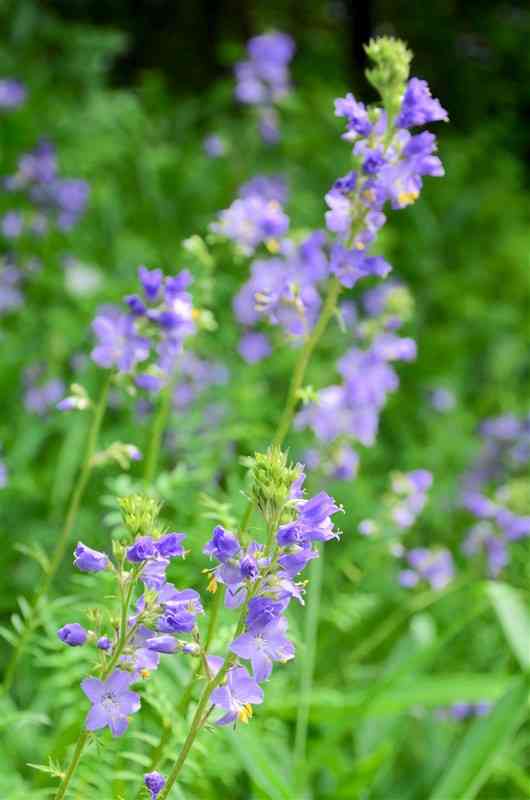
point(350, 410)
point(53, 199)
point(283, 289)
point(41, 396)
point(493, 493)
point(256, 216)
point(432, 566)
point(155, 325)
point(261, 578)
point(162, 614)
point(389, 165)
point(263, 79)
point(196, 375)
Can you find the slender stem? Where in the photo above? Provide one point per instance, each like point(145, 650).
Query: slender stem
point(311, 342)
point(297, 380)
point(62, 542)
point(81, 742)
point(284, 425)
point(308, 663)
point(157, 431)
point(126, 634)
point(200, 716)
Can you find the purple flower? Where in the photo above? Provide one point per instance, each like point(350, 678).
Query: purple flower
point(11, 296)
point(3, 474)
point(151, 281)
point(263, 78)
point(38, 399)
point(401, 181)
point(351, 265)
point(170, 545)
point(254, 347)
point(162, 644)
point(356, 115)
point(345, 464)
point(180, 611)
point(213, 146)
point(222, 546)
point(72, 634)
point(251, 220)
point(143, 548)
point(237, 696)
point(154, 573)
point(261, 612)
point(263, 647)
point(419, 107)
point(434, 566)
point(249, 568)
point(88, 560)
point(104, 643)
point(154, 782)
point(12, 224)
point(296, 559)
point(12, 94)
point(112, 702)
point(118, 343)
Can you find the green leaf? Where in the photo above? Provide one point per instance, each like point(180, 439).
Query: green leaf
point(261, 767)
point(514, 617)
point(475, 758)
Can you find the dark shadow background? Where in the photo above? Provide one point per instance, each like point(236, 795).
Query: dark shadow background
point(478, 51)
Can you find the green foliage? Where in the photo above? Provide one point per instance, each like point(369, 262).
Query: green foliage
point(385, 661)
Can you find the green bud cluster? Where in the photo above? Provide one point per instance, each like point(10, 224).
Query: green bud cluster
point(391, 69)
point(271, 478)
point(140, 514)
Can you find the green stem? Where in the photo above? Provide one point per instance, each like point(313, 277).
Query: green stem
point(157, 432)
point(286, 419)
point(200, 716)
point(81, 742)
point(126, 634)
point(60, 547)
point(298, 379)
point(305, 356)
point(308, 666)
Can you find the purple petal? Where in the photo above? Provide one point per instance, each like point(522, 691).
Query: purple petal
point(93, 688)
point(97, 718)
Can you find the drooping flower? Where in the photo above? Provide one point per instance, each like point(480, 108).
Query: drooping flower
point(112, 702)
point(88, 560)
point(237, 696)
point(223, 545)
point(419, 107)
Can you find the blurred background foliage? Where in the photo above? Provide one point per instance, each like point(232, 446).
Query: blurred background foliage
point(127, 91)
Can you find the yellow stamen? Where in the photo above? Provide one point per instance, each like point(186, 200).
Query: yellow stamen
point(359, 245)
point(245, 714)
point(406, 198)
point(273, 245)
point(145, 673)
point(212, 585)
